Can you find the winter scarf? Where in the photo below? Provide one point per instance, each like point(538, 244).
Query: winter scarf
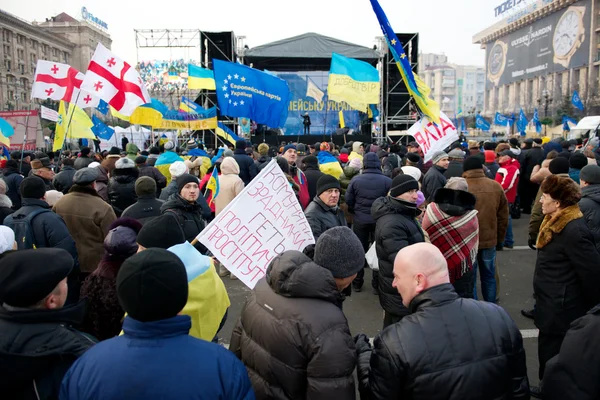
point(556, 223)
point(457, 237)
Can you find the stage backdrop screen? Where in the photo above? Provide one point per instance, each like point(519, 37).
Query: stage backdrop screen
point(324, 118)
point(552, 44)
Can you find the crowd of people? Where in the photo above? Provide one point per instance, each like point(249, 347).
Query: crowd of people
point(164, 76)
point(98, 267)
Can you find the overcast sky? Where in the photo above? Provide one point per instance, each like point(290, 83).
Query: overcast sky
point(444, 25)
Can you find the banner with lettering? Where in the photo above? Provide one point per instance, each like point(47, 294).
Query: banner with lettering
point(263, 221)
point(433, 138)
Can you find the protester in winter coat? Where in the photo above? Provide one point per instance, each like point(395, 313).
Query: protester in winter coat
point(38, 340)
point(392, 162)
point(566, 277)
point(84, 158)
point(396, 227)
point(263, 159)
point(310, 167)
point(47, 228)
point(13, 181)
point(491, 164)
point(447, 347)
point(434, 178)
point(176, 169)
point(528, 189)
point(183, 205)
point(358, 150)
point(350, 171)
point(132, 151)
point(291, 156)
point(121, 187)
point(590, 200)
point(42, 168)
point(150, 171)
point(153, 156)
point(573, 373)
point(248, 169)
point(576, 162)
point(540, 172)
point(455, 169)
point(147, 205)
point(104, 315)
point(5, 203)
point(508, 177)
point(230, 184)
point(111, 159)
point(165, 361)
point(299, 302)
point(362, 192)
point(452, 226)
point(64, 179)
point(87, 217)
point(323, 212)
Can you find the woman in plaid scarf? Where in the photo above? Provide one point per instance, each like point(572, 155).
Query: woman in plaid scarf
point(452, 226)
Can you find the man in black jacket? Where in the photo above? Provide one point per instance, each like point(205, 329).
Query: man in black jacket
point(147, 205)
point(84, 159)
point(49, 229)
point(42, 168)
point(310, 167)
point(527, 189)
point(396, 227)
point(38, 343)
point(323, 212)
point(13, 180)
point(248, 169)
point(64, 179)
point(589, 204)
point(434, 179)
point(448, 347)
point(152, 172)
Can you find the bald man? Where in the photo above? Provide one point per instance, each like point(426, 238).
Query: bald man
point(447, 347)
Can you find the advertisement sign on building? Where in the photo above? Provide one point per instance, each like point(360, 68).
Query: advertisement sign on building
point(21, 121)
point(552, 44)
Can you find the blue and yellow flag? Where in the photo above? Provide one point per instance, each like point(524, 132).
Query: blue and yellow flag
point(200, 78)
point(415, 86)
point(213, 185)
point(188, 105)
point(226, 133)
point(329, 165)
point(353, 81)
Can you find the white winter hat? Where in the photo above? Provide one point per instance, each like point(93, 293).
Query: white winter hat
point(7, 238)
point(178, 168)
point(412, 171)
point(169, 145)
point(94, 164)
point(124, 163)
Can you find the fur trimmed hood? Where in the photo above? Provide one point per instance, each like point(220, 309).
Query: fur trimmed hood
point(555, 224)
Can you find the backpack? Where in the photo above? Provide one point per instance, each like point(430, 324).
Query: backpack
point(23, 230)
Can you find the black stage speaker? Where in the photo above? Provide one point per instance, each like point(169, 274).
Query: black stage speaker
point(218, 45)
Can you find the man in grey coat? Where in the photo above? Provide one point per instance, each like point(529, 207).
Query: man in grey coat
point(323, 212)
point(434, 178)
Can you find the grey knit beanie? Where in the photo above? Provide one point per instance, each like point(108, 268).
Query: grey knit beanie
point(339, 250)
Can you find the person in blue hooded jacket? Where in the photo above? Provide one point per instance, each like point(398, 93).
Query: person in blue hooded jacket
point(155, 358)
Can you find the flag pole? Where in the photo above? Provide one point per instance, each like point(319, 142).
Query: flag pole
point(25, 137)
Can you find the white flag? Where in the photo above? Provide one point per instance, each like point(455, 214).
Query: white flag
point(313, 91)
point(55, 81)
point(85, 99)
point(49, 114)
point(115, 81)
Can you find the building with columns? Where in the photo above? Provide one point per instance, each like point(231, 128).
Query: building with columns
point(538, 56)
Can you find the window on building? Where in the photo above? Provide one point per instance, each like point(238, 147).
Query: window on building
point(11, 95)
point(7, 65)
point(6, 35)
point(24, 96)
point(576, 77)
point(22, 68)
point(21, 39)
point(34, 45)
point(518, 95)
point(65, 57)
point(7, 50)
point(20, 54)
point(598, 43)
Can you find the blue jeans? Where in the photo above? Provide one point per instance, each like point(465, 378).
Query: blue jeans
point(509, 238)
point(486, 263)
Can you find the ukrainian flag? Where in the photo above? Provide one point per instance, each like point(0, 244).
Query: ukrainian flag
point(226, 133)
point(188, 105)
point(416, 87)
point(200, 78)
point(213, 185)
point(329, 165)
point(353, 81)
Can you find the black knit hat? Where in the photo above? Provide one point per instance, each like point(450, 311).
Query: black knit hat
point(413, 157)
point(327, 182)
point(402, 184)
point(24, 283)
point(32, 187)
point(578, 161)
point(471, 163)
point(152, 285)
point(559, 165)
point(240, 144)
point(114, 151)
point(139, 160)
point(144, 185)
point(184, 180)
point(162, 232)
point(339, 250)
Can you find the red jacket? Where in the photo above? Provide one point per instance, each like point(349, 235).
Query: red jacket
point(508, 177)
point(303, 196)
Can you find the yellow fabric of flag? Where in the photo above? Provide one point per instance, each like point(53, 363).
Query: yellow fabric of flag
point(77, 122)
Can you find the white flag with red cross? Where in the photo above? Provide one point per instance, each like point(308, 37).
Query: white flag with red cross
point(55, 81)
point(115, 81)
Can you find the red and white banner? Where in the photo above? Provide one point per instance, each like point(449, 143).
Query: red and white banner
point(115, 81)
point(433, 138)
point(55, 81)
point(49, 114)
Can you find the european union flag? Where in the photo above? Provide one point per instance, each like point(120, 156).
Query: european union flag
point(576, 100)
point(101, 130)
point(482, 123)
point(102, 107)
point(246, 92)
point(522, 122)
point(536, 121)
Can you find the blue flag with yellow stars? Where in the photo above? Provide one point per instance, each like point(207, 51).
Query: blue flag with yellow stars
point(247, 92)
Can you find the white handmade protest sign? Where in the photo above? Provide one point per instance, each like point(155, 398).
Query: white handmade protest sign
point(433, 138)
point(49, 114)
point(264, 220)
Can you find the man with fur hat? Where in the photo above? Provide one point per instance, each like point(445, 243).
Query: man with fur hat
point(147, 205)
point(88, 218)
point(300, 302)
point(152, 287)
point(396, 227)
point(492, 208)
point(434, 179)
point(38, 340)
point(248, 169)
point(323, 212)
point(42, 168)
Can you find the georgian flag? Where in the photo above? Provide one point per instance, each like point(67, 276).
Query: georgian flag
point(115, 81)
point(55, 81)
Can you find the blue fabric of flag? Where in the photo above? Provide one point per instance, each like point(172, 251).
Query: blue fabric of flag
point(482, 123)
point(103, 107)
point(501, 120)
point(522, 122)
point(536, 121)
point(576, 100)
point(101, 130)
